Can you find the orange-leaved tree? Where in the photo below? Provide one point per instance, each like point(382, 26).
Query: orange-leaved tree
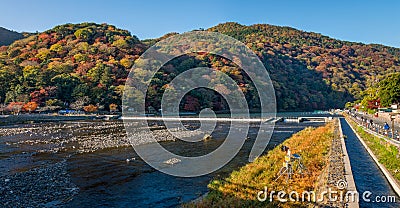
point(113, 107)
point(30, 106)
point(90, 108)
point(15, 107)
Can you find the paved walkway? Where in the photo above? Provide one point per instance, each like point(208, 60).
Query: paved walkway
point(381, 120)
point(378, 133)
point(377, 126)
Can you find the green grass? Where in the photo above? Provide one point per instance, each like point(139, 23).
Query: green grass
point(387, 153)
point(241, 187)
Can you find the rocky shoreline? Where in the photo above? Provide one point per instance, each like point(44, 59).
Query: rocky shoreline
point(39, 187)
point(37, 118)
point(80, 137)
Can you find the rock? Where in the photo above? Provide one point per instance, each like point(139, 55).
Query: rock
point(172, 161)
point(207, 137)
point(36, 187)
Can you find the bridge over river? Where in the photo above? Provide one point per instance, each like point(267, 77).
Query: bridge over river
point(295, 119)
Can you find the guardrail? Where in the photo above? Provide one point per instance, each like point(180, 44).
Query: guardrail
point(392, 181)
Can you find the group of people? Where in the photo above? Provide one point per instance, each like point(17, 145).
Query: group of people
point(378, 128)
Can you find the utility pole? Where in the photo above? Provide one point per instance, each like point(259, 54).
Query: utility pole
point(392, 118)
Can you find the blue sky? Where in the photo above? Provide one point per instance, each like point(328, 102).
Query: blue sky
point(357, 20)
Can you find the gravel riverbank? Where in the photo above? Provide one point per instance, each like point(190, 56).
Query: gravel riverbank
point(335, 171)
point(39, 187)
point(79, 136)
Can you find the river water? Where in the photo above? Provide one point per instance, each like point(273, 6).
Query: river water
point(104, 176)
point(367, 175)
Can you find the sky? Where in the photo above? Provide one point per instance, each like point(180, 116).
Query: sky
point(365, 21)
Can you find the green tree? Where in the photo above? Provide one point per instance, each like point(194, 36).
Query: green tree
point(65, 84)
point(100, 74)
point(389, 90)
point(84, 34)
point(120, 43)
point(31, 77)
point(56, 47)
point(81, 90)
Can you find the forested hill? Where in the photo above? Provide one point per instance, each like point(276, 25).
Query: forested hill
point(8, 36)
point(85, 62)
point(306, 66)
point(88, 63)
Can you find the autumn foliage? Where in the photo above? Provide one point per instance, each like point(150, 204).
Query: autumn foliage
point(308, 70)
point(67, 63)
point(241, 187)
point(90, 108)
point(15, 107)
point(113, 107)
point(30, 106)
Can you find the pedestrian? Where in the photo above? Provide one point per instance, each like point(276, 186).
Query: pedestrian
point(386, 127)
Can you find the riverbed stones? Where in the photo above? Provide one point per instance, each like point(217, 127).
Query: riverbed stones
point(335, 171)
point(37, 187)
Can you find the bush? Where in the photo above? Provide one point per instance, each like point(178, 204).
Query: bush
point(90, 108)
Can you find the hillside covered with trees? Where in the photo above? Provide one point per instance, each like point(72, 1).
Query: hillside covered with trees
point(8, 36)
point(77, 65)
point(69, 66)
point(311, 68)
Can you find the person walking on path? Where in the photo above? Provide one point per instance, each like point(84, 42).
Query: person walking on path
point(386, 127)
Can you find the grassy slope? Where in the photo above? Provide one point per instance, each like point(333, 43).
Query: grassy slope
point(387, 154)
point(241, 187)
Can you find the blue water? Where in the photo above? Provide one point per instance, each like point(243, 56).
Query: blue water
point(105, 179)
point(367, 174)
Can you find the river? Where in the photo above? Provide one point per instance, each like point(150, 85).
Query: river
point(101, 176)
